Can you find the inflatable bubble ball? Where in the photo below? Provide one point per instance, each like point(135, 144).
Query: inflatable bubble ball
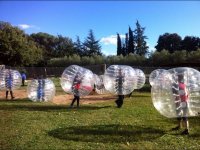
point(77, 80)
point(10, 79)
point(41, 90)
point(120, 79)
point(176, 92)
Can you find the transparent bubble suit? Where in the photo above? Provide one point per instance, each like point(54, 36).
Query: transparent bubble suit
point(176, 92)
point(154, 74)
point(41, 90)
point(140, 79)
point(10, 79)
point(75, 75)
point(100, 88)
point(120, 79)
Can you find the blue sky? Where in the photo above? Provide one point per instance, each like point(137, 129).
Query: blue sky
point(105, 18)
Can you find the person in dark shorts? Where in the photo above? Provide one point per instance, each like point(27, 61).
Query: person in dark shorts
point(181, 102)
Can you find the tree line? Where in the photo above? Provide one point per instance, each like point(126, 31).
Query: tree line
point(135, 42)
point(156, 59)
point(173, 42)
point(20, 49)
point(42, 49)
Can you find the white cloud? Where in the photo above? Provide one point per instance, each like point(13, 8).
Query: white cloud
point(110, 40)
point(27, 26)
point(24, 26)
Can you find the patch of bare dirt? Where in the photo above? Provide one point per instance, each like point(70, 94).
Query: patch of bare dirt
point(65, 99)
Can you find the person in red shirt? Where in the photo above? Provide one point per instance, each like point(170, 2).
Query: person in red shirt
point(181, 101)
point(75, 88)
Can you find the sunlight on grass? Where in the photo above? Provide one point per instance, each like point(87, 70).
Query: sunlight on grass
point(137, 125)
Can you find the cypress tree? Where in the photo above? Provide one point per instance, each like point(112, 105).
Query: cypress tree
point(119, 45)
point(130, 42)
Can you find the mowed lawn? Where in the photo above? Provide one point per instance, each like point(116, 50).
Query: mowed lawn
point(137, 125)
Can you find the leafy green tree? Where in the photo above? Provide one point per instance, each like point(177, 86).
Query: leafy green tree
point(141, 47)
point(170, 42)
point(47, 42)
point(190, 43)
point(16, 48)
point(91, 46)
point(64, 46)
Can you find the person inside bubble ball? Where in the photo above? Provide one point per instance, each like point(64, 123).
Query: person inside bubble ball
point(75, 88)
point(9, 84)
point(23, 78)
point(181, 100)
point(119, 87)
point(40, 89)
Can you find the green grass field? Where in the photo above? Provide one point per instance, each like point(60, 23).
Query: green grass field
point(137, 125)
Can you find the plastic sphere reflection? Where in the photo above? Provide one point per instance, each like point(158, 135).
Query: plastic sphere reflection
point(120, 79)
point(154, 74)
point(41, 90)
point(10, 79)
point(77, 80)
point(176, 92)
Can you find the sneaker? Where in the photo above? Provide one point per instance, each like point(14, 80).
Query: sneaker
point(185, 132)
point(13, 98)
point(176, 128)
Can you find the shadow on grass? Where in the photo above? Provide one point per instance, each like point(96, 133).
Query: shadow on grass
point(25, 100)
point(194, 129)
point(107, 133)
point(99, 98)
point(30, 106)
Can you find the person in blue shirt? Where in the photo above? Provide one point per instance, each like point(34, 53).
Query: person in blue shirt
point(23, 78)
point(40, 89)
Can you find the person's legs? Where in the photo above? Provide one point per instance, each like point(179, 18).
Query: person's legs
point(22, 82)
point(178, 125)
point(11, 93)
point(185, 121)
point(6, 94)
point(120, 103)
point(43, 96)
point(73, 101)
point(78, 98)
point(117, 101)
point(178, 114)
point(186, 126)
